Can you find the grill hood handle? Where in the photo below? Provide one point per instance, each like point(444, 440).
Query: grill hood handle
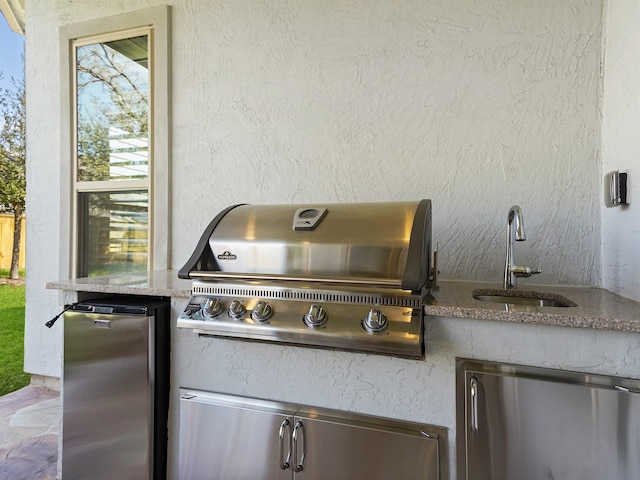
point(202, 258)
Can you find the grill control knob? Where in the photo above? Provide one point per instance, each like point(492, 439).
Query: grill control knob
point(316, 316)
point(212, 308)
point(236, 309)
point(375, 321)
point(262, 312)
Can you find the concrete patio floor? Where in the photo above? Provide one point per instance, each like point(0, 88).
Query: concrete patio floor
point(29, 427)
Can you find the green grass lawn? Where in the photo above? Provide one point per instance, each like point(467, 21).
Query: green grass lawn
point(11, 338)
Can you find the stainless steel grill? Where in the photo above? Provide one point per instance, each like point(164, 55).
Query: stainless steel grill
point(348, 276)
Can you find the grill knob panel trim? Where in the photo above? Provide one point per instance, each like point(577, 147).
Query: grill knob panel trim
point(344, 329)
point(316, 316)
point(375, 321)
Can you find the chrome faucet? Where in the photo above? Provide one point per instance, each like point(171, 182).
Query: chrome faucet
point(511, 270)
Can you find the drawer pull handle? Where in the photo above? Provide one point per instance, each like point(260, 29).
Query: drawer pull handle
point(299, 431)
point(284, 464)
point(474, 404)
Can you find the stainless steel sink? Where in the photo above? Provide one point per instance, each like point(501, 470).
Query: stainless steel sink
point(523, 297)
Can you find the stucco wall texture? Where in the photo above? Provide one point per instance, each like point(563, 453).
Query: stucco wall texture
point(621, 146)
point(477, 105)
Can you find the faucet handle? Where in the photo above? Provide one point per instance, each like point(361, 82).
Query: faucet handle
point(520, 271)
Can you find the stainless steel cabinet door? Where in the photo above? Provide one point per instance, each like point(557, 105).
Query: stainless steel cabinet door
point(338, 449)
point(528, 428)
point(231, 442)
point(106, 397)
point(234, 438)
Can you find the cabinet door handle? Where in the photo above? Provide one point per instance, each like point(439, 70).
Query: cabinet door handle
point(298, 432)
point(284, 464)
point(473, 391)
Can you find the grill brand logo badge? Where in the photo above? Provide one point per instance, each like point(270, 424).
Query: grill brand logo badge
point(227, 255)
point(102, 323)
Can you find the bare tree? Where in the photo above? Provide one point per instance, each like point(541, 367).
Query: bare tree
point(12, 162)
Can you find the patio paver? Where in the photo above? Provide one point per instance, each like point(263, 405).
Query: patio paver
point(29, 427)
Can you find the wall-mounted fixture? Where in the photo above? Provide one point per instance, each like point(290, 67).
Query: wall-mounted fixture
point(615, 189)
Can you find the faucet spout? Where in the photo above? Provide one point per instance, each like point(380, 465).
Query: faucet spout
point(515, 213)
point(515, 231)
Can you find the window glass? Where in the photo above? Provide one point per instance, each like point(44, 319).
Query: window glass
point(115, 231)
point(113, 110)
point(113, 153)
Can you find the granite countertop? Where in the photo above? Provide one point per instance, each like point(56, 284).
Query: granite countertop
point(595, 308)
point(162, 283)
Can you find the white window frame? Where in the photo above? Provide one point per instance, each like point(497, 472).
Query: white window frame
point(155, 23)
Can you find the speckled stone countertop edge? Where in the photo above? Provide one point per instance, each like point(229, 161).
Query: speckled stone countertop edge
point(558, 320)
point(121, 290)
point(596, 308)
point(162, 283)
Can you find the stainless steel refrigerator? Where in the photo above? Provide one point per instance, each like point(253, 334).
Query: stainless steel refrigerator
point(115, 389)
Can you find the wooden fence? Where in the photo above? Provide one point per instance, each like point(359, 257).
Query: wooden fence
point(6, 241)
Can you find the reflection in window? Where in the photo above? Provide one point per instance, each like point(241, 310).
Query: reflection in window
point(115, 233)
point(113, 110)
point(113, 153)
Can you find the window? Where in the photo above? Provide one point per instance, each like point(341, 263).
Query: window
point(112, 154)
point(118, 86)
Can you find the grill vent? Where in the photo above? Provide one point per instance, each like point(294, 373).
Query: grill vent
point(302, 295)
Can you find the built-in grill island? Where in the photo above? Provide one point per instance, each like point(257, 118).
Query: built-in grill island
point(337, 276)
point(347, 276)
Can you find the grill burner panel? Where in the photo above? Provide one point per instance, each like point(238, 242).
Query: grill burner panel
point(343, 327)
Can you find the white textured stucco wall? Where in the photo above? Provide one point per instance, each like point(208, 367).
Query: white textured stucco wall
point(476, 105)
point(621, 146)
point(45, 196)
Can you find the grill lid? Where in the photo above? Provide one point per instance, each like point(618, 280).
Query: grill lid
point(384, 244)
